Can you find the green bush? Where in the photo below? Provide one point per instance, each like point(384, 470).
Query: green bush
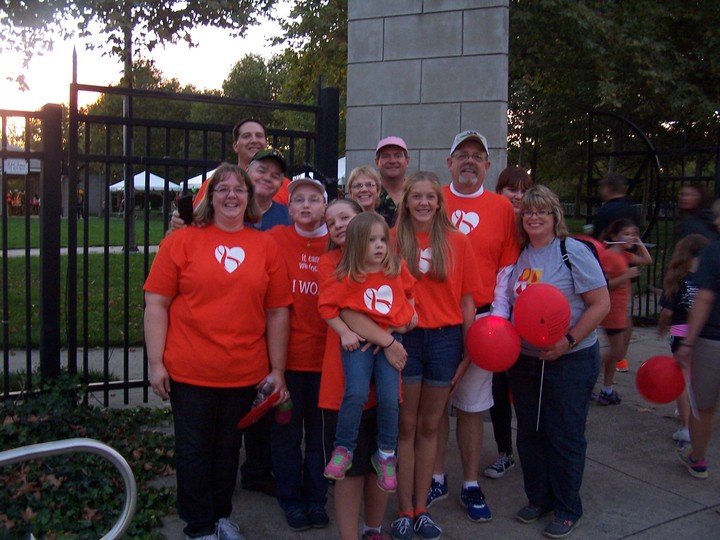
point(81, 495)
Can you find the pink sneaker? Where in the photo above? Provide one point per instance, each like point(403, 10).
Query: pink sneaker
point(385, 469)
point(340, 461)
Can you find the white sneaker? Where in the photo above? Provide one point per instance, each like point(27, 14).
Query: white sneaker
point(228, 530)
point(682, 434)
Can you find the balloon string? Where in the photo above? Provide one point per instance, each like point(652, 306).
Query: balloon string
point(542, 377)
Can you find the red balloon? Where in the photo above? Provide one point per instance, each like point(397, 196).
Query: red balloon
point(493, 343)
point(659, 379)
point(542, 315)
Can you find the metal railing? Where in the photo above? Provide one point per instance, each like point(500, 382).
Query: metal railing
point(91, 446)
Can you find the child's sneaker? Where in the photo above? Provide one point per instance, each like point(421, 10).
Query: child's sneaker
point(385, 469)
point(503, 464)
point(613, 398)
point(437, 491)
point(622, 366)
point(681, 435)
point(697, 469)
point(340, 461)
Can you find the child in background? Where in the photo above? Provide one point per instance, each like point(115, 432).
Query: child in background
point(370, 279)
point(620, 267)
point(679, 291)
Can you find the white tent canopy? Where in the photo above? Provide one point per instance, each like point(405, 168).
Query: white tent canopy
point(196, 181)
point(156, 183)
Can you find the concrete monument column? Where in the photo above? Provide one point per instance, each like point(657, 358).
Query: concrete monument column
point(425, 70)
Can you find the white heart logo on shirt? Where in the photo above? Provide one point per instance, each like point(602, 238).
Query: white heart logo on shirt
point(425, 260)
point(379, 299)
point(465, 221)
point(229, 257)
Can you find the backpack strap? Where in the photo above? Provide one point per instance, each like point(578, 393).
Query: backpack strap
point(564, 253)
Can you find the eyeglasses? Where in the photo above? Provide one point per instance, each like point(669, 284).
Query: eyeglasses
point(464, 156)
point(223, 191)
point(367, 185)
point(309, 200)
point(538, 213)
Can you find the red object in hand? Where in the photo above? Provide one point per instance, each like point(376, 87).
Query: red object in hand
point(258, 412)
point(493, 343)
point(542, 315)
point(659, 379)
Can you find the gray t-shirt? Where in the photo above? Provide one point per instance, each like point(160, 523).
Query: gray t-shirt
point(545, 265)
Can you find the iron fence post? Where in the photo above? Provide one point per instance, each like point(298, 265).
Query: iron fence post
point(51, 196)
point(326, 149)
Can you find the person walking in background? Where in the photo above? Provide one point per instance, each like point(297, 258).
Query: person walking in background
point(301, 487)
point(551, 387)
point(679, 291)
point(620, 266)
point(512, 184)
point(370, 279)
point(363, 185)
point(616, 204)
point(359, 488)
point(442, 260)
point(210, 366)
point(698, 352)
point(696, 217)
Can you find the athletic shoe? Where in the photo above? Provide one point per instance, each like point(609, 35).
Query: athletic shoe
point(318, 518)
point(613, 398)
point(504, 463)
point(560, 528)
point(437, 492)
point(206, 537)
point(696, 468)
point(372, 535)
point(473, 500)
point(386, 472)
point(340, 461)
point(402, 528)
point(228, 530)
point(681, 435)
point(425, 527)
point(297, 520)
point(622, 366)
point(530, 513)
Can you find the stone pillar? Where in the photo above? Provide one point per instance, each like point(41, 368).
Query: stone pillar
point(425, 70)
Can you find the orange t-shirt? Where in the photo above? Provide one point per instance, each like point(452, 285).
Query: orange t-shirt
point(283, 195)
point(382, 298)
point(307, 329)
point(489, 222)
point(613, 265)
point(332, 380)
point(221, 284)
point(438, 302)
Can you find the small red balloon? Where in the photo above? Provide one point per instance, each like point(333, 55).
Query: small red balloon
point(493, 343)
point(541, 315)
point(659, 379)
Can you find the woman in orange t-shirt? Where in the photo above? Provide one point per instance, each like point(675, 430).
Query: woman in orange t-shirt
point(442, 259)
point(207, 363)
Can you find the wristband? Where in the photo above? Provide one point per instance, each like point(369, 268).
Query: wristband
point(391, 343)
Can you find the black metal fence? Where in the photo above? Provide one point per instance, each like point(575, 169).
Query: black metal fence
point(81, 308)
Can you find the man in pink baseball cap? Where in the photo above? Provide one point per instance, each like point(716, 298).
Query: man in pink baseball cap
point(392, 161)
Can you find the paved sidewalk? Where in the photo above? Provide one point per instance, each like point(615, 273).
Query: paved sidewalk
point(634, 487)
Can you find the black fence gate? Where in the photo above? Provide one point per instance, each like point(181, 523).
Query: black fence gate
point(80, 308)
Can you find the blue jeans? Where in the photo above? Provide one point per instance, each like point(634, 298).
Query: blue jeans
point(433, 355)
point(359, 368)
point(553, 456)
point(300, 482)
point(207, 443)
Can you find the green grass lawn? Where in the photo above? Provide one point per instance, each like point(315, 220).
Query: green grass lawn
point(16, 232)
point(97, 322)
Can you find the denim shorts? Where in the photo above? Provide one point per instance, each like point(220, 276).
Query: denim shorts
point(433, 355)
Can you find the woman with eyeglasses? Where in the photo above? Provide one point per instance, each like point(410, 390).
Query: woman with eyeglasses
point(363, 186)
point(216, 317)
point(552, 387)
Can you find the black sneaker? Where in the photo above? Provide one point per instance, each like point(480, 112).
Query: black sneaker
point(297, 520)
point(318, 518)
point(530, 513)
point(613, 398)
point(560, 528)
point(503, 464)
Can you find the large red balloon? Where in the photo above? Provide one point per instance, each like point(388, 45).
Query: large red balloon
point(493, 343)
point(541, 315)
point(659, 379)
